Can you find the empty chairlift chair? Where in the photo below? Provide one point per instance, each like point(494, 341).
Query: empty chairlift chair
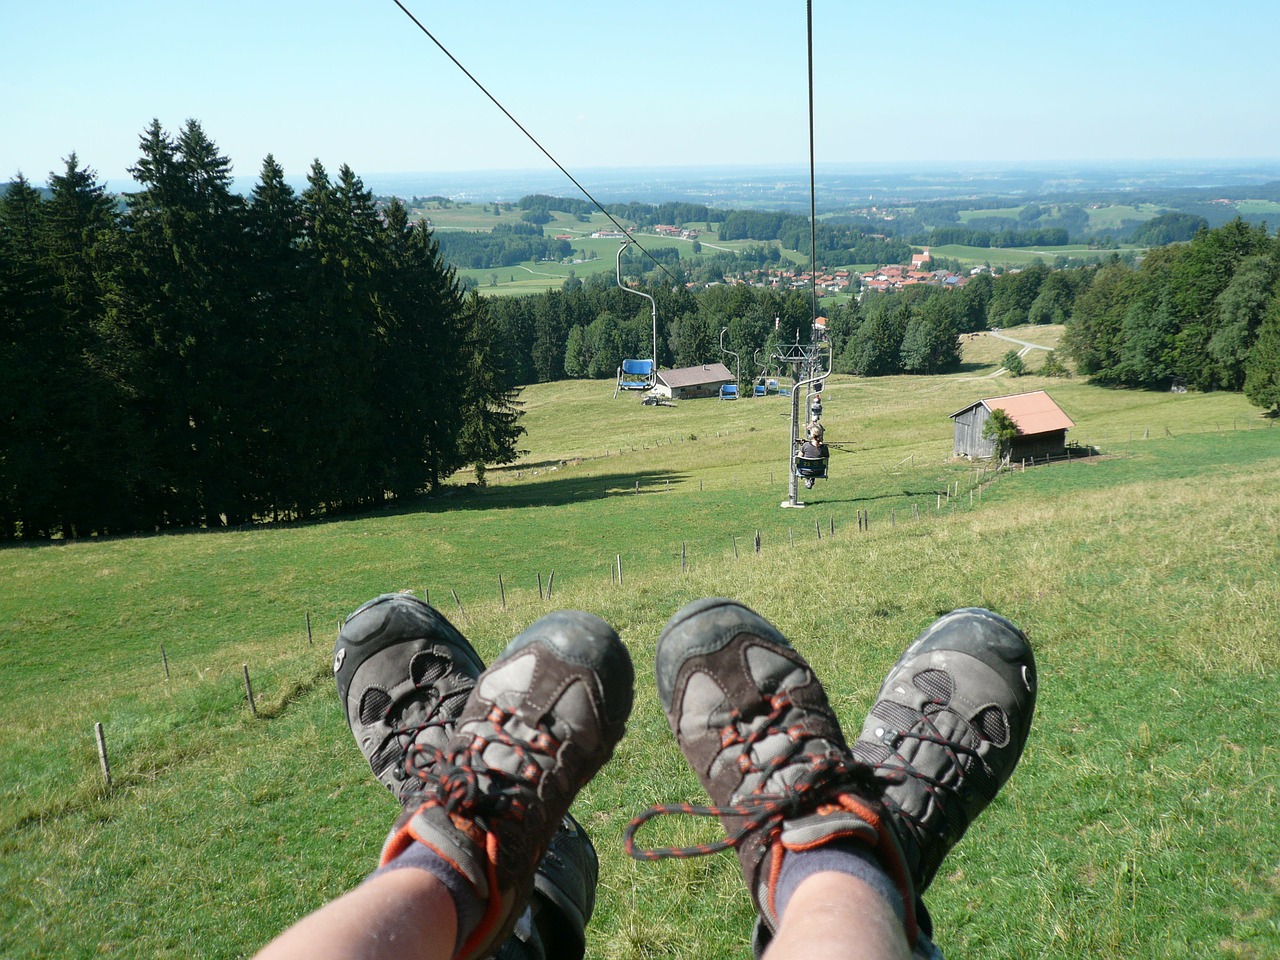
point(635, 375)
point(729, 391)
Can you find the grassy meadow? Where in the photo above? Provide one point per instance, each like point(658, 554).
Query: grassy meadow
point(1143, 821)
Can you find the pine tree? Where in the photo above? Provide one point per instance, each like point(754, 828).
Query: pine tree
point(1262, 371)
point(491, 410)
point(185, 228)
point(280, 386)
point(29, 505)
point(101, 447)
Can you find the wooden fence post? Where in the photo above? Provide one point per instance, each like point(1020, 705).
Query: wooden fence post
point(248, 688)
point(102, 753)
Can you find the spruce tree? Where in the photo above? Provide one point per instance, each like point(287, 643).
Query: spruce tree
point(1262, 371)
point(491, 409)
point(30, 506)
point(101, 447)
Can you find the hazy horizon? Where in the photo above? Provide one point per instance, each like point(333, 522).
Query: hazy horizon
point(683, 86)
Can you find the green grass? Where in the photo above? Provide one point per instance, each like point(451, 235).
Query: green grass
point(1269, 207)
point(1018, 256)
point(1142, 822)
point(1010, 213)
point(1111, 216)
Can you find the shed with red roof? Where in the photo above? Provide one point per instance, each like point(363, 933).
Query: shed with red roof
point(1042, 426)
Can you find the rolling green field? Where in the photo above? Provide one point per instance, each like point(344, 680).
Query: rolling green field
point(537, 277)
point(1142, 823)
point(1020, 256)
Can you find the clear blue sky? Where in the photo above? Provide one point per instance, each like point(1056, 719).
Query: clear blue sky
point(654, 83)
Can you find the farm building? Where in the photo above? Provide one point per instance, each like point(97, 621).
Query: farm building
point(690, 382)
point(1042, 426)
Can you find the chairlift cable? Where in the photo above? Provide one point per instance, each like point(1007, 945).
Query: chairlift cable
point(813, 214)
point(532, 139)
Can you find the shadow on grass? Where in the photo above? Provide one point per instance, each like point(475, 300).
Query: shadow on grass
point(868, 499)
point(547, 492)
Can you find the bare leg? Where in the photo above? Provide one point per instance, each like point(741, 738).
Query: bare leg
point(405, 914)
point(834, 916)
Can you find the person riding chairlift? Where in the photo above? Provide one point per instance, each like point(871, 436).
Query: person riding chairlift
point(813, 448)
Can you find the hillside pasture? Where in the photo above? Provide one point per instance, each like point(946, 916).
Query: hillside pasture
point(1017, 257)
point(1142, 822)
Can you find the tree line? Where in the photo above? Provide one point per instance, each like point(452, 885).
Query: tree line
point(466, 249)
point(833, 243)
point(1206, 313)
point(192, 357)
point(587, 328)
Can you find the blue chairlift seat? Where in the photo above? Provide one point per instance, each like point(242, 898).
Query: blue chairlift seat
point(815, 467)
point(761, 390)
point(729, 391)
point(635, 375)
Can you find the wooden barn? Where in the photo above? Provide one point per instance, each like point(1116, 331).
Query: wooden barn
point(688, 383)
point(1042, 426)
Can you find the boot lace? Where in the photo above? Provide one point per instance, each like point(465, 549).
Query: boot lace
point(463, 782)
point(822, 779)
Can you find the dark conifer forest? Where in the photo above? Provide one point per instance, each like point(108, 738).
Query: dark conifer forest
point(194, 358)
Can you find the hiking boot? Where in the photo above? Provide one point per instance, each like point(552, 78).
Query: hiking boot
point(537, 726)
point(953, 717)
point(403, 673)
point(754, 723)
point(564, 897)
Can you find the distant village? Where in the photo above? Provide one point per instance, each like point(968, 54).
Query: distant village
point(882, 279)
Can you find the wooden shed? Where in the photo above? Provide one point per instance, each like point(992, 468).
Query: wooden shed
point(686, 383)
point(1042, 426)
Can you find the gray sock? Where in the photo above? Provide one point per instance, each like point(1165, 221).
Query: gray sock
point(466, 903)
point(848, 858)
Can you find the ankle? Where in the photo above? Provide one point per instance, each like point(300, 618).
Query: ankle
point(467, 904)
point(840, 858)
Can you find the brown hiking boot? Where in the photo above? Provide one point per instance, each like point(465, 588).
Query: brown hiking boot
point(537, 726)
point(754, 723)
point(947, 730)
point(403, 673)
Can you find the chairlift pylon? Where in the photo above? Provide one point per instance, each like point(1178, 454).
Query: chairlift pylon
point(637, 374)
